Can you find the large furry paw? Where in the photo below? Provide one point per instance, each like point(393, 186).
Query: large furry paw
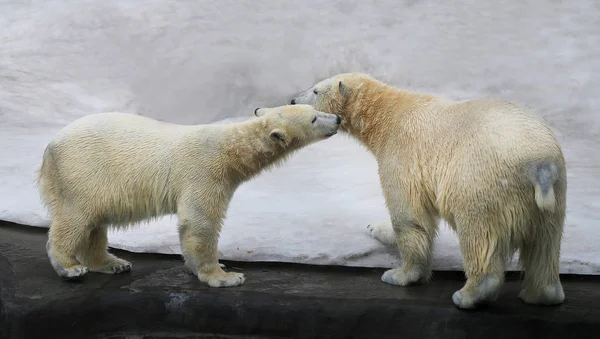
point(112, 265)
point(550, 295)
point(74, 272)
point(223, 279)
point(483, 293)
point(383, 232)
point(402, 277)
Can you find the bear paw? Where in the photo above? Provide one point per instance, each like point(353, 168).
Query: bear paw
point(383, 232)
point(402, 277)
point(113, 265)
point(73, 272)
point(471, 297)
point(464, 300)
point(552, 294)
point(223, 279)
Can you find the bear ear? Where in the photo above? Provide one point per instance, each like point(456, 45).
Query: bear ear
point(277, 135)
point(344, 90)
point(259, 112)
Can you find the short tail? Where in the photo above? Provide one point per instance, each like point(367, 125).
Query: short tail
point(543, 177)
point(46, 158)
point(45, 176)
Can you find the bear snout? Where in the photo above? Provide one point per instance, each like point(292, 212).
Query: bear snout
point(293, 102)
point(338, 119)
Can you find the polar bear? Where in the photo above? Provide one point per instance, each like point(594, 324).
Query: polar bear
point(492, 170)
point(118, 169)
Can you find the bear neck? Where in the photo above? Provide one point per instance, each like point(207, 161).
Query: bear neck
point(376, 108)
point(251, 150)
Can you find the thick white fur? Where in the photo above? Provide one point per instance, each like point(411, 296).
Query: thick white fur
point(117, 169)
point(492, 170)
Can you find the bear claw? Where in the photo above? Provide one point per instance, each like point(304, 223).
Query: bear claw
point(225, 279)
point(113, 266)
point(121, 268)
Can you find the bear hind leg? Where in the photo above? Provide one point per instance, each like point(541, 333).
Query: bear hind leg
point(485, 254)
point(540, 257)
point(65, 237)
point(94, 255)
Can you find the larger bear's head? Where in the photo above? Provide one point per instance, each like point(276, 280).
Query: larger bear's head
point(336, 94)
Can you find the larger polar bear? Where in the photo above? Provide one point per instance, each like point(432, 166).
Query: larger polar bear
point(492, 170)
point(117, 169)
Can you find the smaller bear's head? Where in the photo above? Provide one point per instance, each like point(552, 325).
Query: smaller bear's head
point(298, 125)
point(332, 95)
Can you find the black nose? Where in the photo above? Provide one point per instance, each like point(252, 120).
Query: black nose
point(338, 119)
point(293, 102)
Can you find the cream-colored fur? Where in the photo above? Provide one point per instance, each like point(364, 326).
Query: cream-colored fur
point(492, 170)
point(118, 169)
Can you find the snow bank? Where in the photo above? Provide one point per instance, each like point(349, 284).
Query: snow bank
point(205, 61)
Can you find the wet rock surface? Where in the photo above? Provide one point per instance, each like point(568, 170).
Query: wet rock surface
point(159, 298)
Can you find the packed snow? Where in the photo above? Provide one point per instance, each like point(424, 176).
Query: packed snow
point(206, 62)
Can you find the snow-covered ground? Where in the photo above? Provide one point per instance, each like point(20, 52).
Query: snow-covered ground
point(205, 61)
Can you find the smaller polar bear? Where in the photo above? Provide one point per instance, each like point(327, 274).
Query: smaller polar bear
point(492, 170)
point(117, 169)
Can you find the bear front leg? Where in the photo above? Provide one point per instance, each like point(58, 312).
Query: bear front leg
point(414, 233)
point(199, 237)
point(415, 243)
point(94, 255)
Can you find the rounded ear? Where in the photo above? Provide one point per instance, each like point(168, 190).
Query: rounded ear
point(259, 112)
point(343, 88)
point(277, 135)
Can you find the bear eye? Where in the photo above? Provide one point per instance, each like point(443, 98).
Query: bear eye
point(313, 120)
point(315, 91)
